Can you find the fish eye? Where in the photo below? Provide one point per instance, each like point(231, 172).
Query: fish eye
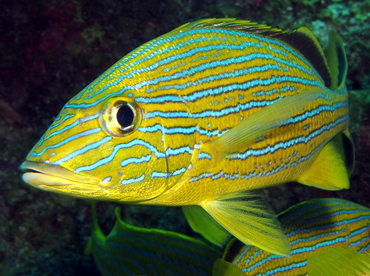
point(125, 116)
point(120, 116)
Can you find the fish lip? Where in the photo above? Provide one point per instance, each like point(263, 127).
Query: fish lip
point(45, 174)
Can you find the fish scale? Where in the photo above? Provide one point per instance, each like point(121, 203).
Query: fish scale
point(220, 107)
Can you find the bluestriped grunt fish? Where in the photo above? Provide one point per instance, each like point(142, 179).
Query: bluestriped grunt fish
point(131, 250)
point(326, 236)
point(203, 117)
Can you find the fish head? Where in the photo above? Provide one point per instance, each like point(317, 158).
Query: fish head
point(106, 143)
point(97, 152)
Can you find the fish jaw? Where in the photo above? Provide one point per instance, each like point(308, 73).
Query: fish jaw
point(53, 177)
point(57, 179)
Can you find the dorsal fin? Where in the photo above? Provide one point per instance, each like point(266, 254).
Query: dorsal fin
point(301, 39)
point(232, 24)
point(337, 61)
point(307, 44)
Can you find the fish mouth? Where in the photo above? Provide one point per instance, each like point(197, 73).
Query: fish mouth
point(44, 175)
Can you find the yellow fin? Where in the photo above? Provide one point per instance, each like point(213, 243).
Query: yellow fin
point(262, 122)
point(224, 268)
point(202, 223)
point(232, 24)
point(248, 216)
point(329, 171)
point(339, 262)
point(337, 61)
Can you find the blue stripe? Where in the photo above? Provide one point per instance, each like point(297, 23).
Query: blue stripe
point(177, 151)
point(156, 174)
point(362, 230)
point(287, 268)
point(160, 99)
point(135, 160)
point(75, 123)
point(201, 176)
point(159, 174)
point(278, 51)
point(178, 171)
point(204, 155)
point(319, 236)
point(65, 118)
point(69, 139)
point(211, 113)
point(83, 150)
point(314, 112)
point(169, 130)
point(133, 180)
point(124, 163)
point(182, 130)
point(360, 241)
point(365, 249)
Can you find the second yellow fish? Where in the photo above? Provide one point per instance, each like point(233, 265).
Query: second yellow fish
point(206, 115)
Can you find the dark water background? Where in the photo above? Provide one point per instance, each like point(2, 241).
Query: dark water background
point(50, 50)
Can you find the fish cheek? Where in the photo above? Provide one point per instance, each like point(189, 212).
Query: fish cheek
point(140, 182)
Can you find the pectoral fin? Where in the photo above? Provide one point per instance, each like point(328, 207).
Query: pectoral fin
point(202, 223)
point(340, 262)
point(329, 170)
point(262, 122)
point(248, 216)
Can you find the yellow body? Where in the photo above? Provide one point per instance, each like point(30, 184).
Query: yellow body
point(199, 115)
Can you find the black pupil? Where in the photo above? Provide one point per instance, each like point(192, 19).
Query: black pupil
point(125, 116)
